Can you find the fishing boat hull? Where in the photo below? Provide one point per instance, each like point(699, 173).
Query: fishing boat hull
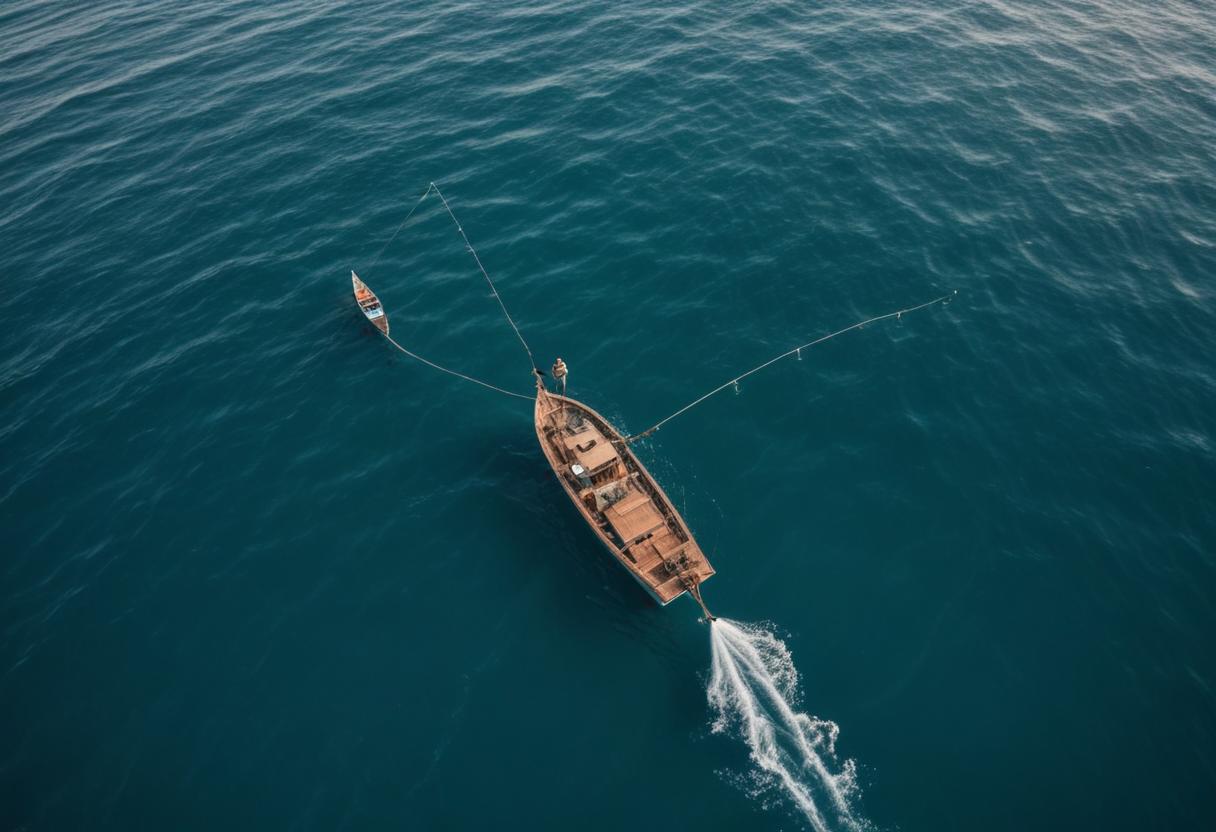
point(621, 502)
point(369, 304)
point(649, 590)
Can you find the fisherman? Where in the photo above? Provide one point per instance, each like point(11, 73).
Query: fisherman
point(559, 374)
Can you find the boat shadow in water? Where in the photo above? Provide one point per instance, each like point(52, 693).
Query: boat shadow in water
point(564, 547)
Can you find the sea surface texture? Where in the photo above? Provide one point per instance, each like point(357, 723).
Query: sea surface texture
point(258, 570)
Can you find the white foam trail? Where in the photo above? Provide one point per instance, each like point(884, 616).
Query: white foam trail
point(752, 684)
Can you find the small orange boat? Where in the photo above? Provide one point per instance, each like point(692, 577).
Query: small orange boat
point(369, 303)
point(619, 499)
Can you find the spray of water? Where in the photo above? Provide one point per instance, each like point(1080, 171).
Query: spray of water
point(753, 688)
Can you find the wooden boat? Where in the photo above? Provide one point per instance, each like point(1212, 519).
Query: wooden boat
point(609, 486)
point(369, 303)
point(619, 499)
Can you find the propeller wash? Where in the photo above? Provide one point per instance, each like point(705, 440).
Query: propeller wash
point(753, 690)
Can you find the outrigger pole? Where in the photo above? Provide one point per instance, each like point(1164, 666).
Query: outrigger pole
point(795, 351)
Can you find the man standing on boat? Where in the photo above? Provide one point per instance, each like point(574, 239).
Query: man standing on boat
point(559, 374)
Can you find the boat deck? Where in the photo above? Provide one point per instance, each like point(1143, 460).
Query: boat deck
point(619, 498)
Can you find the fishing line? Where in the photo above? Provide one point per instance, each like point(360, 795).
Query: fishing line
point(486, 275)
point(425, 194)
point(795, 351)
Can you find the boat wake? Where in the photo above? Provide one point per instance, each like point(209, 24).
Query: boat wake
point(753, 689)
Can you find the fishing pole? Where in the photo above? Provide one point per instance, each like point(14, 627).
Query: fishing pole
point(899, 313)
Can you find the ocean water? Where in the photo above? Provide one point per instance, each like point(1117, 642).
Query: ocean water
point(260, 571)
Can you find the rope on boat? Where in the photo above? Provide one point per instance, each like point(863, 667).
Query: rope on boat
point(796, 350)
point(417, 357)
point(694, 589)
point(485, 274)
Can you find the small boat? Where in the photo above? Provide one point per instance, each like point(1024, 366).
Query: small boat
point(369, 303)
point(619, 499)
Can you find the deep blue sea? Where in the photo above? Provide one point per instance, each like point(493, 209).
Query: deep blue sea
point(258, 570)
